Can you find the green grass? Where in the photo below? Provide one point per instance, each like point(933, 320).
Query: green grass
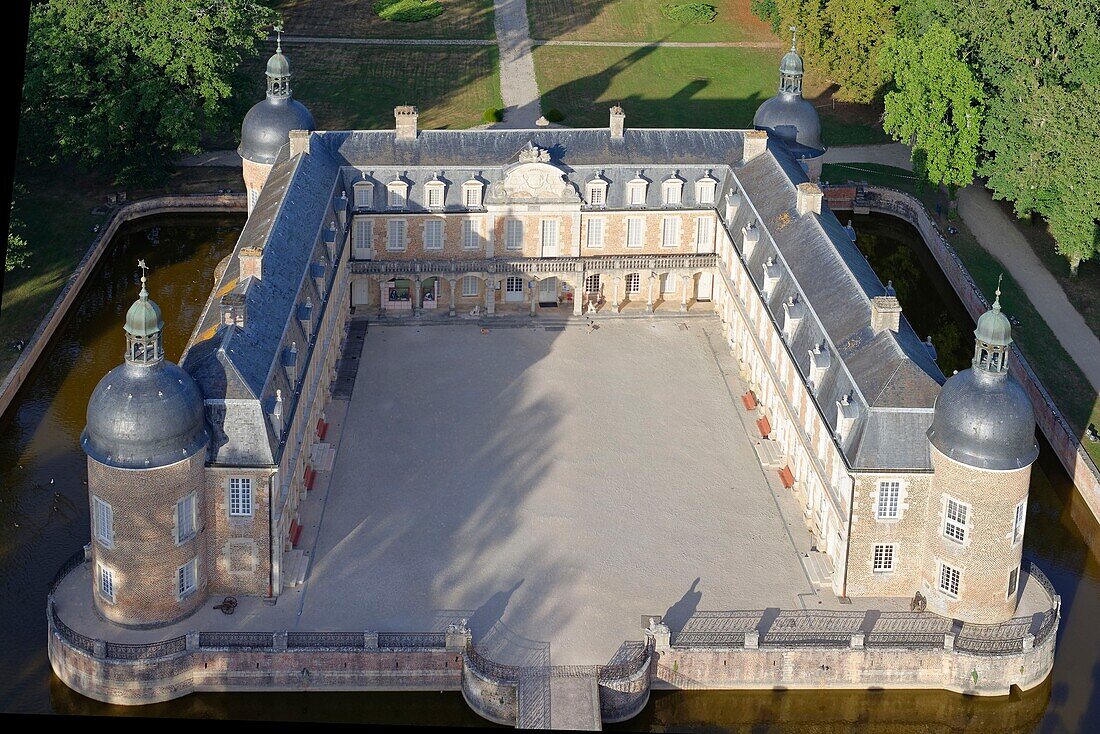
point(408, 11)
point(690, 13)
point(1063, 379)
point(642, 20)
point(358, 18)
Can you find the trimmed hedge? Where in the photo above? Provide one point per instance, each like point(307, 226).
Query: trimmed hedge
point(492, 114)
point(554, 115)
point(690, 13)
point(407, 11)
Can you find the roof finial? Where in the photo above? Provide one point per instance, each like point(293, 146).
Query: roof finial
point(279, 38)
point(997, 300)
point(794, 36)
point(144, 294)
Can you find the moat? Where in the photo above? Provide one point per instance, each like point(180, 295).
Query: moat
point(40, 445)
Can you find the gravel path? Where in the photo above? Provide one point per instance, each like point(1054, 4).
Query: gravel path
point(518, 88)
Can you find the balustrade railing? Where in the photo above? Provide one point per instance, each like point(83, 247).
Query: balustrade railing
point(265, 640)
point(302, 640)
point(397, 641)
point(146, 651)
point(534, 266)
point(630, 665)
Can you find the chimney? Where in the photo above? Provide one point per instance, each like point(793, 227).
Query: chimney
point(618, 122)
point(754, 143)
point(251, 259)
point(885, 313)
point(809, 198)
point(299, 142)
point(405, 121)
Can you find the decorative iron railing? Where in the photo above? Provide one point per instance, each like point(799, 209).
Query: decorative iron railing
point(398, 641)
point(812, 629)
point(76, 559)
point(624, 668)
point(74, 638)
point(263, 640)
point(296, 640)
point(146, 651)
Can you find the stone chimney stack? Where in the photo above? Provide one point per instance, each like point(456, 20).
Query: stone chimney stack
point(405, 119)
point(299, 142)
point(755, 143)
point(885, 313)
point(618, 122)
point(251, 259)
point(809, 198)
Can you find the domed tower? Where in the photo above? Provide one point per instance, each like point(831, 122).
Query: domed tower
point(790, 118)
point(266, 127)
point(146, 442)
point(983, 444)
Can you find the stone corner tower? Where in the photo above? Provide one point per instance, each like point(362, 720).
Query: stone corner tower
point(146, 441)
point(266, 127)
point(983, 445)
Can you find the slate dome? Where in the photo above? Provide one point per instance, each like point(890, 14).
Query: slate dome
point(787, 116)
point(266, 127)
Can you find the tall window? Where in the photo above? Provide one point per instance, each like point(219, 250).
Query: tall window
point(950, 578)
point(398, 191)
point(887, 507)
point(104, 522)
point(107, 583)
point(435, 195)
point(433, 234)
point(240, 496)
point(633, 283)
point(364, 196)
point(550, 233)
point(397, 231)
point(469, 286)
point(471, 195)
point(704, 234)
point(513, 234)
point(1013, 582)
point(635, 232)
point(883, 561)
point(1018, 522)
point(471, 238)
point(362, 235)
point(592, 283)
point(595, 233)
point(185, 578)
point(185, 518)
point(670, 232)
point(954, 522)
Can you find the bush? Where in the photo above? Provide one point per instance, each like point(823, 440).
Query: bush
point(492, 115)
point(554, 115)
point(690, 13)
point(407, 11)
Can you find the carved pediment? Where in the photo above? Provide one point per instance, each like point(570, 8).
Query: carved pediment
point(534, 179)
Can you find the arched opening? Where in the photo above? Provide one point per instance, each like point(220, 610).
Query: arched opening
point(397, 294)
point(429, 293)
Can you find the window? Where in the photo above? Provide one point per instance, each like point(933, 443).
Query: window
point(954, 525)
point(471, 238)
point(107, 583)
point(633, 283)
point(185, 577)
point(673, 192)
point(398, 228)
point(362, 238)
point(364, 196)
point(253, 195)
point(597, 194)
point(668, 283)
point(469, 285)
point(887, 507)
point(592, 283)
point(104, 522)
point(595, 233)
point(240, 496)
point(471, 194)
point(513, 284)
point(636, 192)
point(398, 191)
point(1013, 581)
point(550, 233)
point(949, 580)
point(513, 234)
point(704, 234)
point(670, 232)
point(883, 561)
point(185, 518)
point(433, 234)
point(635, 232)
point(704, 190)
point(435, 195)
point(1018, 522)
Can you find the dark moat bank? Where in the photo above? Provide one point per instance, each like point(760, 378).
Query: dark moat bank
point(47, 521)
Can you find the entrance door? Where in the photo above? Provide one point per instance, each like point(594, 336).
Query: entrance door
point(548, 292)
point(513, 288)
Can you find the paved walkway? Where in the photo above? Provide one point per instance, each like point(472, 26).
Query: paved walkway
point(533, 42)
point(518, 89)
point(998, 235)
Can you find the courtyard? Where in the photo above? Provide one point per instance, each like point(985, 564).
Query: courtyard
point(552, 486)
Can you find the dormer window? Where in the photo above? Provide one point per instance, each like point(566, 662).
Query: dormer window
point(672, 190)
point(597, 191)
point(819, 365)
point(636, 191)
point(398, 194)
point(750, 235)
point(793, 310)
point(364, 195)
point(471, 194)
point(772, 273)
point(846, 414)
point(434, 193)
point(705, 189)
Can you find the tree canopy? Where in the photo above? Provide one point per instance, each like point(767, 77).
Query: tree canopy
point(126, 86)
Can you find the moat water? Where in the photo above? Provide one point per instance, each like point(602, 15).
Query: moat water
point(44, 515)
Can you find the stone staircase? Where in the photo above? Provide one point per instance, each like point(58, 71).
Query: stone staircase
point(295, 566)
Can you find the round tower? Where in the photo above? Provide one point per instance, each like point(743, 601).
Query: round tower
point(983, 444)
point(790, 118)
point(266, 127)
point(146, 442)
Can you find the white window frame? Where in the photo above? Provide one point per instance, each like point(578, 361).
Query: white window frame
point(362, 237)
point(884, 557)
point(888, 503)
point(190, 515)
point(471, 194)
point(1013, 583)
point(704, 232)
point(947, 577)
point(364, 195)
point(104, 516)
point(705, 189)
point(1019, 520)
point(397, 195)
point(513, 234)
point(397, 235)
point(669, 283)
point(954, 528)
point(549, 234)
point(670, 232)
point(240, 497)
point(592, 283)
point(469, 286)
point(105, 582)
point(597, 194)
point(434, 191)
point(433, 235)
point(187, 579)
point(513, 284)
point(672, 192)
point(471, 234)
point(635, 232)
point(637, 280)
point(595, 233)
point(636, 192)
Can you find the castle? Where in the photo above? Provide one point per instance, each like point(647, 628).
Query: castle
point(908, 481)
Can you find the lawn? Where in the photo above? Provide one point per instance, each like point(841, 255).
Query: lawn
point(640, 20)
point(1056, 369)
point(357, 87)
point(672, 87)
point(357, 19)
point(56, 210)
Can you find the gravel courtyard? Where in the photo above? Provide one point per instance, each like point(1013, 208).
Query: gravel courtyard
point(551, 486)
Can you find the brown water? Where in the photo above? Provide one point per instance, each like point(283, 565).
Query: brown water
point(46, 521)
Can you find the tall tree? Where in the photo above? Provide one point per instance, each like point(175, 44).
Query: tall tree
point(125, 86)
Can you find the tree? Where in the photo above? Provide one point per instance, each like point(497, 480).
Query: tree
point(935, 103)
point(126, 86)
